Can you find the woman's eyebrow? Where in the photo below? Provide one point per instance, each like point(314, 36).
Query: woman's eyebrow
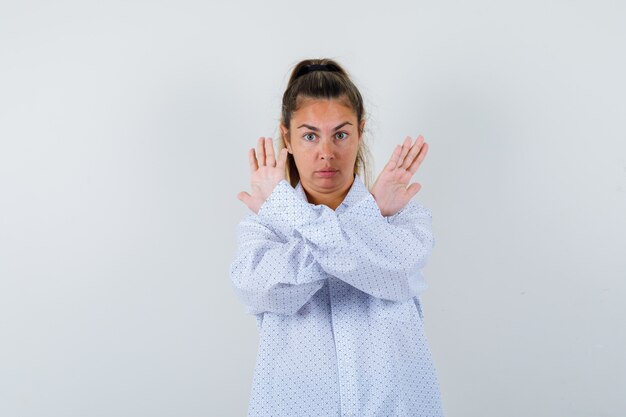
point(313, 128)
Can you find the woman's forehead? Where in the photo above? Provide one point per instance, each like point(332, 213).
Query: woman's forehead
point(342, 100)
point(324, 110)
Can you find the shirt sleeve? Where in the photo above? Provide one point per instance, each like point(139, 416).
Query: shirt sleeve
point(382, 256)
point(270, 273)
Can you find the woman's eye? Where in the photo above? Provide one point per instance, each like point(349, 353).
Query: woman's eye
point(309, 135)
point(342, 133)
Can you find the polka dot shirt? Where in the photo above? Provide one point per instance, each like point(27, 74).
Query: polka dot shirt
point(336, 297)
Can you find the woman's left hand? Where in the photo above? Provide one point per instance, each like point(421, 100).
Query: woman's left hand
point(390, 189)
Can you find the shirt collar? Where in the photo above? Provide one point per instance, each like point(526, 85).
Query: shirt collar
point(357, 192)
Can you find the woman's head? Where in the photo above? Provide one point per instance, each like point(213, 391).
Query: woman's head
point(322, 124)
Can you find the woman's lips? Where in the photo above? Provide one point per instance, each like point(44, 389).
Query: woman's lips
point(327, 173)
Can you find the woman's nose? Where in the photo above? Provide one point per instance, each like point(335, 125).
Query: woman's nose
point(327, 149)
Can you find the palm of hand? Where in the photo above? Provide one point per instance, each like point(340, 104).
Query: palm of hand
point(265, 173)
point(263, 181)
point(390, 189)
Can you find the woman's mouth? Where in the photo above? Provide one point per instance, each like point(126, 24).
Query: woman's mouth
point(327, 173)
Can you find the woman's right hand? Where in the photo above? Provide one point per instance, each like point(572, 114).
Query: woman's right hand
point(265, 172)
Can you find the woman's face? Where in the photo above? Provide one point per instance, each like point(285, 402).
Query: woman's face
point(324, 140)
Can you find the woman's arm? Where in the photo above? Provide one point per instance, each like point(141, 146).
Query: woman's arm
point(379, 255)
point(270, 273)
point(286, 251)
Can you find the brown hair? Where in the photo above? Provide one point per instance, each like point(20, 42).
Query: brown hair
point(332, 83)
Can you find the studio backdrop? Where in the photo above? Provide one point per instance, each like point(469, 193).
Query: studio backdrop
point(124, 132)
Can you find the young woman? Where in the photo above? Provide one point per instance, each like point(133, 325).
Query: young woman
point(332, 269)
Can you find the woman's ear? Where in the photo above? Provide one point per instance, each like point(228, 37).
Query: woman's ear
point(285, 133)
point(361, 127)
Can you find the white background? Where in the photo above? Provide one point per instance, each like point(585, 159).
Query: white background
point(124, 130)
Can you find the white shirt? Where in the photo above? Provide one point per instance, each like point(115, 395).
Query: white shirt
point(336, 298)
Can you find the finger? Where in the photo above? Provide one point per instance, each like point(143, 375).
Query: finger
point(417, 161)
point(413, 152)
point(252, 160)
point(415, 148)
point(269, 153)
point(260, 151)
point(406, 145)
point(282, 158)
point(393, 160)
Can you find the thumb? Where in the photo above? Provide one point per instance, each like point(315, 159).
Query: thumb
point(414, 189)
point(244, 197)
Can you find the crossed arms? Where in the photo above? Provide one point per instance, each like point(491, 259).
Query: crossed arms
point(287, 251)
